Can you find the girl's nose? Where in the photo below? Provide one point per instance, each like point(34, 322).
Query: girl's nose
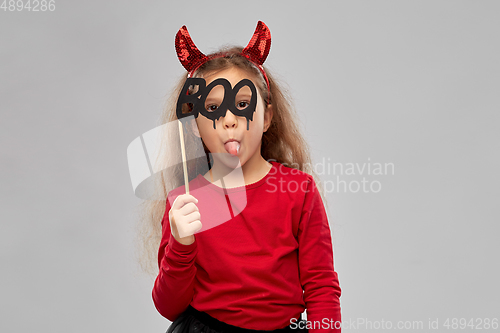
point(229, 120)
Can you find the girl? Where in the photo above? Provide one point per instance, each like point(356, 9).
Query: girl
point(262, 268)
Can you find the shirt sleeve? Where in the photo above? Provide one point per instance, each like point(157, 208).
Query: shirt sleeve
point(174, 286)
point(317, 275)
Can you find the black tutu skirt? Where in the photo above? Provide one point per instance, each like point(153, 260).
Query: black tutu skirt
point(194, 321)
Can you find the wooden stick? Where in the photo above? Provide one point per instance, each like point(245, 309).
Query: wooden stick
point(183, 152)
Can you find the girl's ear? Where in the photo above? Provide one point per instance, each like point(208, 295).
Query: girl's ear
point(268, 116)
point(194, 127)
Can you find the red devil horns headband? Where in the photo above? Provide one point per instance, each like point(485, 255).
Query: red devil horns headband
point(256, 51)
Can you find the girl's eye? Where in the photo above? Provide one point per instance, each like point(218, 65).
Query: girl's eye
point(211, 107)
point(242, 105)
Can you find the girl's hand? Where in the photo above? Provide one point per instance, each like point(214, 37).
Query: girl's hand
point(184, 218)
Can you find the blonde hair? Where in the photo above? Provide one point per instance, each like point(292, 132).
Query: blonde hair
point(282, 142)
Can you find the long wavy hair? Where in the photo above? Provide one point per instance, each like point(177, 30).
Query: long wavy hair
point(282, 142)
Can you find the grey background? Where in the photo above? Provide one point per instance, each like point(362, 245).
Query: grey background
point(414, 83)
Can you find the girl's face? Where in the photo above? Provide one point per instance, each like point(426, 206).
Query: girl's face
point(230, 127)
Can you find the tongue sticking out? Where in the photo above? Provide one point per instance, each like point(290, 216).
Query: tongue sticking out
point(232, 147)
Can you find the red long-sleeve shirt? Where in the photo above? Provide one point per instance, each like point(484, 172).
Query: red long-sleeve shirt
point(262, 267)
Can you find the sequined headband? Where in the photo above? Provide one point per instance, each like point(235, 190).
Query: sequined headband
point(256, 51)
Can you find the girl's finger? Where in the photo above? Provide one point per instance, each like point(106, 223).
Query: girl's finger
point(190, 218)
point(188, 208)
point(189, 229)
point(183, 199)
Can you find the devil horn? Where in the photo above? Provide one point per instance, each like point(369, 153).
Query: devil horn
point(258, 47)
point(188, 54)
